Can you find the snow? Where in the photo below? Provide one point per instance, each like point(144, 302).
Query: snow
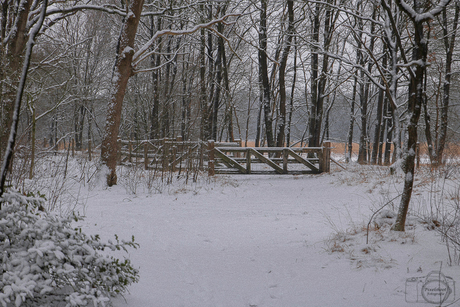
point(268, 240)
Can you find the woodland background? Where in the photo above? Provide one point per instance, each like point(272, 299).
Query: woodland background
point(275, 73)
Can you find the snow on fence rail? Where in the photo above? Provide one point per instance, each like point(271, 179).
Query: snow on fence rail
point(165, 154)
point(223, 157)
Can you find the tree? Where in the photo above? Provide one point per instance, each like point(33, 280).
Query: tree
point(265, 91)
point(123, 70)
point(437, 144)
point(17, 103)
point(419, 14)
point(280, 139)
point(126, 61)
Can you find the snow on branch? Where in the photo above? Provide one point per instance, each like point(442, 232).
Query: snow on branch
point(17, 103)
point(140, 54)
point(421, 17)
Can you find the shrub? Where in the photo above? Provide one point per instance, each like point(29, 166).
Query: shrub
point(44, 261)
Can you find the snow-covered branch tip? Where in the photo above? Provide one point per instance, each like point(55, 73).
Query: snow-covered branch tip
point(139, 55)
point(421, 17)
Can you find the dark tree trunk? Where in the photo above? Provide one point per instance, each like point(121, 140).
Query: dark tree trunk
point(378, 128)
point(282, 71)
point(449, 46)
point(204, 127)
point(263, 72)
point(156, 62)
point(12, 60)
point(80, 114)
point(419, 55)
point(316, 110)
point(352, 121)
point(291, 102)
point(28, 45)
point(364, 93)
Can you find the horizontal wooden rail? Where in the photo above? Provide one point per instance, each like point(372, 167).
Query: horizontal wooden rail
point(241, 159)
point(170, 154)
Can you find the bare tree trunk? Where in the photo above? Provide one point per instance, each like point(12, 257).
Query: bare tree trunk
point(122, 72)
point(364, 96)
point(216, 96)
point(6, 163)
point(291, 102)
point(12, 60)
point(376, 148)
point(156, 62)
point(449, 46)
point(316, 110)
point(204, 130)
point(382, 131)
point(389, 126)
point(416, 96)
point(263, 73)
point(352, 120)
point(32, 144)
point(282, 71)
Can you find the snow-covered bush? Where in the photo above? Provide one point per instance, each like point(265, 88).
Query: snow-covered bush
point(44, 261)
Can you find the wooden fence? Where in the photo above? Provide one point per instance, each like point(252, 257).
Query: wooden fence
point(164, 154)
point(223, 157)
point(226, 158)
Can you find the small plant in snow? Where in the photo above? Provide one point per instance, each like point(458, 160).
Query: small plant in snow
point(46, 262)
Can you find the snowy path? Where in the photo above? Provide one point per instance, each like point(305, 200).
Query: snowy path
point(251, 241)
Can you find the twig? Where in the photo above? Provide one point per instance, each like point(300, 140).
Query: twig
point(370, 220)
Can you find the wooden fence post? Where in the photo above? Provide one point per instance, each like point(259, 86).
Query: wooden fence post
point(248, 160)
point(165, 154)
point(325, 158)
point(240, 144)
point(72, 145)
point(211, 171)
point(130, 151)
point(285, 161)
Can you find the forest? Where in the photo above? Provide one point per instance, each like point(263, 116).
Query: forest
point(377, 75)
point(377, 78)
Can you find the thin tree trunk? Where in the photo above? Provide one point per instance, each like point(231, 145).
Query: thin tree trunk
point(282, 71)
point(204, 131)
point(216, 96)
point(12, 61)
point(263, 72)
point(416, 96)
point(389, 126)
point(449, 46)
point(291, 102)
point(378, 127)
point(364, 97)
point(352, 120)
point(315, 118)
point(32, 145)
point(156, 62)
point(7, 159)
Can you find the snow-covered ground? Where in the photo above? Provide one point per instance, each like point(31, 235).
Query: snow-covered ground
point(269, 240)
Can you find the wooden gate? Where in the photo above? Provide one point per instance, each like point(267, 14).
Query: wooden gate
point(227, 158)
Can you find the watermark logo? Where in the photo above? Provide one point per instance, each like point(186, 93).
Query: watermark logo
point(435, 288)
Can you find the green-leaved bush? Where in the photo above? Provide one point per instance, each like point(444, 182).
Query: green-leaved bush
point(44, 261)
